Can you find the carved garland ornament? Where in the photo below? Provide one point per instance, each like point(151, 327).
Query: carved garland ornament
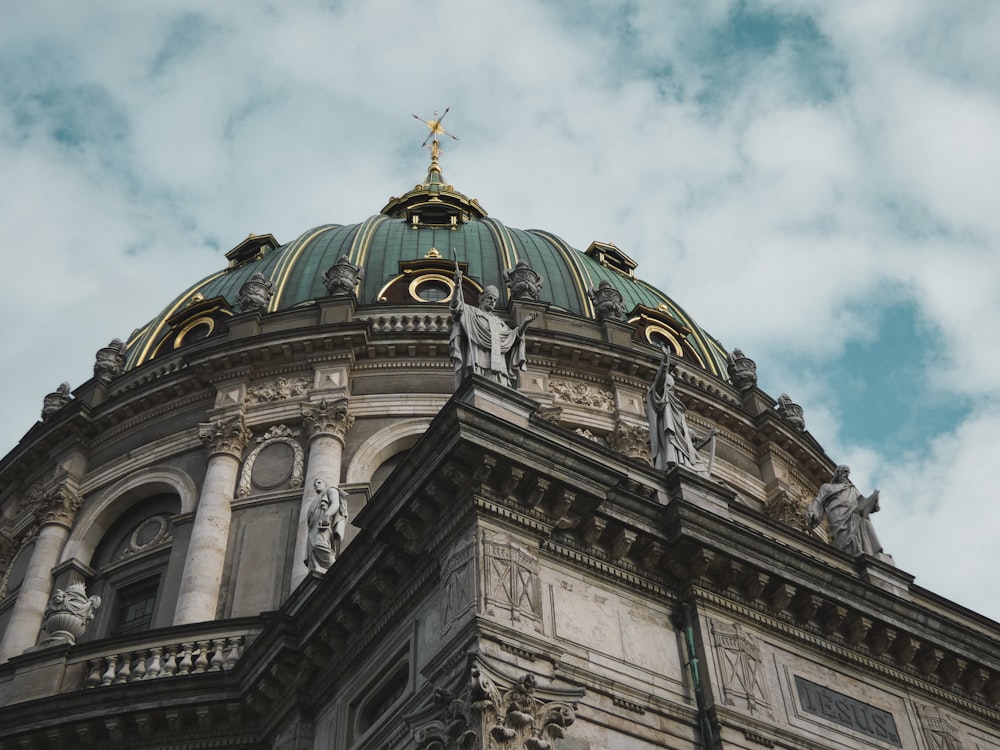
point(583, 394)
point(280, 389)
point(277, 434)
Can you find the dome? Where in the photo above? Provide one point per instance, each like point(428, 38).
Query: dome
point(407, 253)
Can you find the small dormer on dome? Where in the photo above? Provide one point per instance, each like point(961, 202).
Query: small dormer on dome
point(254, 247)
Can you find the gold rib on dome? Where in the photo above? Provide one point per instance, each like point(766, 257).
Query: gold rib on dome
point(284, 268)
point(577, 271)
point(145, 342)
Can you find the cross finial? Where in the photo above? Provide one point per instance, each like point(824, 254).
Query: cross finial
point(435, 127)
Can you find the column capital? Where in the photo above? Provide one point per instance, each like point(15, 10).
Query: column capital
point(59, 506)
point(227, 435)
point(327, 418)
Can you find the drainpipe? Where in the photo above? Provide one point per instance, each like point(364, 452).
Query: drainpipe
point(685, 625)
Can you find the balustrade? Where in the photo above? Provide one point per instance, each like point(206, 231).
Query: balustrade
point(157, 662)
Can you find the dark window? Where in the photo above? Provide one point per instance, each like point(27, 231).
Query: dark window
point(135, 607)
point(383, 699)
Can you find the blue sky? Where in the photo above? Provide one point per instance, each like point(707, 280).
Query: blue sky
point(816, 183)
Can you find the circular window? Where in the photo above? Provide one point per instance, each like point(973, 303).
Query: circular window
point(432, 287)
point(661, 337)
point(196, 330)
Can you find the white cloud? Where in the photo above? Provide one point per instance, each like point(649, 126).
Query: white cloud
point(782, 191)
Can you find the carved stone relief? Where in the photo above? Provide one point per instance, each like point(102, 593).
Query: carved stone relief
point(511, 581)
point(279, 389)
point(738, 657)
point(584, 394)
point(150, 534)
point(631, 440)
point(486, 716)
point(278, 459)
point(784, 507)
point(460, 586)
point(941, 732)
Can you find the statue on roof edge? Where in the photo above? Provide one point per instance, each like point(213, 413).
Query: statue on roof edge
point(481, 342)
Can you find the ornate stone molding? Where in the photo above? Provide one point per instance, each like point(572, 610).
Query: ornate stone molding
point(59, 506)
point(488, 716)
point(584, 394)
point(109, 362)
point(68, 613)
point(279, 389)
point(631, 440)
point(328, 418)
point(277, 434)
point(228, 436)
point(256, 294)
point(741, 668)
point(55, 401)
point(523, 282)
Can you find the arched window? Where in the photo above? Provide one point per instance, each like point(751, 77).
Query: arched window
point(130, 564)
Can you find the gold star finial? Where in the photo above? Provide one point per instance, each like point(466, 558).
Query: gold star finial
point(436, 130)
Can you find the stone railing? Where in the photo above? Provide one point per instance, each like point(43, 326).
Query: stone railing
point(403, 322)
point(213, 650)
point(215, 655)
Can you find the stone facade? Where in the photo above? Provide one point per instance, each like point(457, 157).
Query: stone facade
point(515, 573)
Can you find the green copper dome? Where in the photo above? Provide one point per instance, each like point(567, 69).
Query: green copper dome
point(432, 221)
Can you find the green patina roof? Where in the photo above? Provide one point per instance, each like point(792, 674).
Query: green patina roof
point(381, 242)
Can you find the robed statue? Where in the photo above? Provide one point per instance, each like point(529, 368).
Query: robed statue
point(670, 438)
point(327, 519)
point(847, 511)
point(481, 342)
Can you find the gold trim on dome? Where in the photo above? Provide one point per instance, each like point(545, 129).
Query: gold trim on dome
point(675, 344)
point(203, 319)
point(414, 288)
point(152, 344)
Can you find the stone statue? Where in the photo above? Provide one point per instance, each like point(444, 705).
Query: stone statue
point(608, 301)
point(742, 371)
point(68, 612)
point(670, 439)
point(523, 282)
point(342, 277)
point(110, 361)
point(481, 342)
point(256, 293)
point(791, 412)
point(848, 512)
point(55, 401)
point(327, 518)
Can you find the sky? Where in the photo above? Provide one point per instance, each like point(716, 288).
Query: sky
point(815, 183)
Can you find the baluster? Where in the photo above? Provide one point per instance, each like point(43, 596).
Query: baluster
point(201, 662)
point(216, 664)
point(184, 667)
point(154, 663)
point(170, 666)
point(409, 323)
point(234, 653)
point(109, 675)
point(140, 665)
point(397, 324)
point(125, 670)
point(422, 323)
point(94, 678)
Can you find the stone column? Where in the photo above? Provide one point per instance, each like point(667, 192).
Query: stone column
point(55, 520)
point(327, 424)
point(202, 578)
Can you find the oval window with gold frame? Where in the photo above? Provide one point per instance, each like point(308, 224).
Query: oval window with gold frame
point(432, 287)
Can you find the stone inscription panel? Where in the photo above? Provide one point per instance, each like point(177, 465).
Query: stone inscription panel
point(846, 711)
